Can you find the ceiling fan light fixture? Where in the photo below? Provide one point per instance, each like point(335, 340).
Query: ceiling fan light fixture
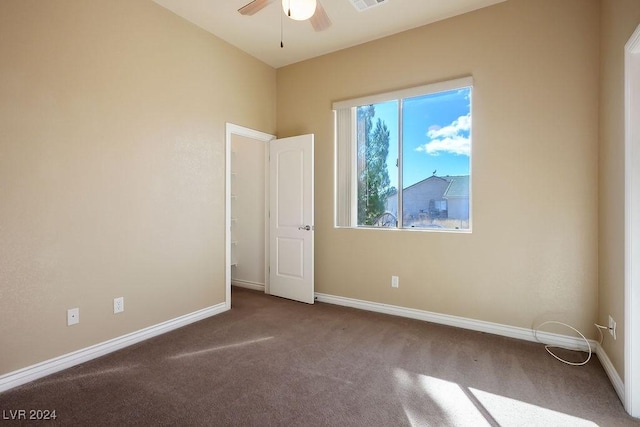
point(300, 10)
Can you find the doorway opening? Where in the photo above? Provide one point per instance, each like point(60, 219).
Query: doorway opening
point(246, 205)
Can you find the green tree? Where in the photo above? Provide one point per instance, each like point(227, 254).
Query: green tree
point(373, 176)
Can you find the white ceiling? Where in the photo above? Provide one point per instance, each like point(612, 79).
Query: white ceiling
point(259, 35)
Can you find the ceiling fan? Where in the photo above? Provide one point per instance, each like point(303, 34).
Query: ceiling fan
point(300, 10)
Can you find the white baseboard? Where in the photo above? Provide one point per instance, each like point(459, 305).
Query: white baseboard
point(48, 367)
point(488, 327)
point(612, 373)
point(461, 322)
point(247, 284)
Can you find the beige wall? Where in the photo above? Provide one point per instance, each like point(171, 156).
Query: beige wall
point(619, 18)
point(112, 168)
point(532, 255)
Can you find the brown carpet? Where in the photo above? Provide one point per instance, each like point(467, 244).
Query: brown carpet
point(271, 361)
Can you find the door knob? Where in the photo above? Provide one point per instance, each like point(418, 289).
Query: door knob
point(305, 227)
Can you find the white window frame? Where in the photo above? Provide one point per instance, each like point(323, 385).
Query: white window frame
point(345, 161)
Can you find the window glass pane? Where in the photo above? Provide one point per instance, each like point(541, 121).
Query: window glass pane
point(377, 171)
point(436, 149)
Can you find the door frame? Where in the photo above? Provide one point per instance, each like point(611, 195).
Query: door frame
point(632, 226)
point(230, 130)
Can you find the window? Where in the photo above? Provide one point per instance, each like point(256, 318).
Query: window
point(403, 159)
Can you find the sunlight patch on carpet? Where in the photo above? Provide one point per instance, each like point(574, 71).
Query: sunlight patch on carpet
point(432, 401)
point(92, 374)
point(512, 412)
point(221, 347)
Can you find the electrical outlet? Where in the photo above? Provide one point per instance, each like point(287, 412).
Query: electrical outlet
point(118, 305)
point(73, 316)
point(394, 281)
point(612, 327)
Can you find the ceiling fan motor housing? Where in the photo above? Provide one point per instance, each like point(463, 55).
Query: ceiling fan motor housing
point(300, 10)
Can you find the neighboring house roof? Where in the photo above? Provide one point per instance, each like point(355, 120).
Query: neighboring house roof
point(458, 187)
point(431, 178)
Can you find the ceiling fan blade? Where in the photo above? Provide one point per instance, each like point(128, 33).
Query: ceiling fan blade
point(254, 7)
point(320, 20)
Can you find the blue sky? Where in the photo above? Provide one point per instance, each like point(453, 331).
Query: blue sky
point(436, 135)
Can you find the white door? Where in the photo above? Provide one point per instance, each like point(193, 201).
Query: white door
point(291, 218)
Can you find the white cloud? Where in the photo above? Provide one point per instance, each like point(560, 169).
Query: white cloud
point(449, 139)
point(462, 124)
point(456, 145)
